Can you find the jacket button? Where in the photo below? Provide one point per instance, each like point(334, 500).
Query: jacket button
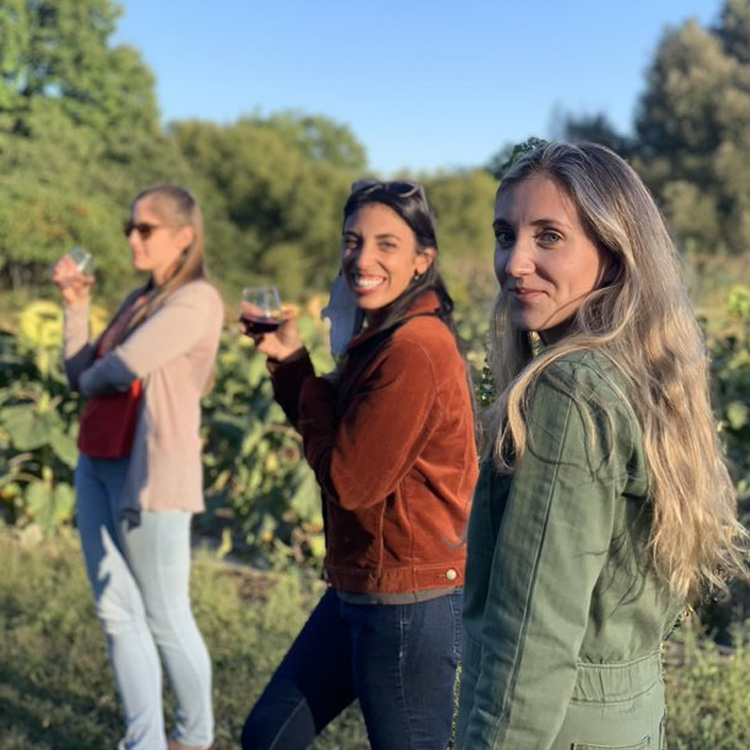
point(451, 574)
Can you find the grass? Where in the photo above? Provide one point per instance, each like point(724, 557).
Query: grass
point(56, 691)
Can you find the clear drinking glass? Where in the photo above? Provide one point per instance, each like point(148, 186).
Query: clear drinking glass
point(261, 310)
point(83, 259)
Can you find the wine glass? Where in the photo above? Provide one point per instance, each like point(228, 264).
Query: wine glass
point(261, 310)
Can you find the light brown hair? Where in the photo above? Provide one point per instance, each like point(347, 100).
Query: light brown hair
point(177, 208)
point(642, 320)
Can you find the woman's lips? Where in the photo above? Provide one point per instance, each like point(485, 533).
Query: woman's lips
point(525, 295)
point(364, 285)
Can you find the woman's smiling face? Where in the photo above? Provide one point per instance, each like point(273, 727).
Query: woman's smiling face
point(379, 256)
point(545, 260)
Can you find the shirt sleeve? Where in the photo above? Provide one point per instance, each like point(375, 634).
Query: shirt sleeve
point(78, 351)
point(171, 331)
point(550, 550)
point(361, 459)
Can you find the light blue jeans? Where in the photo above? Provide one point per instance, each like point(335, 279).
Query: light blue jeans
point(140, 580)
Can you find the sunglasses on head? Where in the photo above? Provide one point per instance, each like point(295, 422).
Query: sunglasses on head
point(143, 228)
point(399, 188)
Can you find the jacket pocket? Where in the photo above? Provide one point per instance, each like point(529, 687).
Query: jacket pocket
point(644, 744)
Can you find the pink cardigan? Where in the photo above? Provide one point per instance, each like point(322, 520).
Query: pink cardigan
point(173, 352)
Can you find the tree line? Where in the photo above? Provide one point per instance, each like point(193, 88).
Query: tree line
point(80, 134)
point(691, 140)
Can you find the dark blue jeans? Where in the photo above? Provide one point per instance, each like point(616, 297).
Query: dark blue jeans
point(398, 660)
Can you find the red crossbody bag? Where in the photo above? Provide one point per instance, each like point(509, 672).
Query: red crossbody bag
point(108, 422)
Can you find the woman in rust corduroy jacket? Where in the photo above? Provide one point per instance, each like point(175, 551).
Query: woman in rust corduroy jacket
point(390, 436)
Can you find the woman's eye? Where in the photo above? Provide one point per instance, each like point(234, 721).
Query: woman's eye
point(549, 237)
point(387, 245)
point(504, 237)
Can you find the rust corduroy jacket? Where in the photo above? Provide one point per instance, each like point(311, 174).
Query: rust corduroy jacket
point(392, 447)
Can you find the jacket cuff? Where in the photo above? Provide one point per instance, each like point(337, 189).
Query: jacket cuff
point(287, 378)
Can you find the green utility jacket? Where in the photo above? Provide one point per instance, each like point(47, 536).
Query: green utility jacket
point(563, 615)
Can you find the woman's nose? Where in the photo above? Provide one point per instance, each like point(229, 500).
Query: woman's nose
point(518, 259)
point(364, 255)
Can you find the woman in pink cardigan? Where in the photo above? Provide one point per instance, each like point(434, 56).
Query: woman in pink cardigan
point(138, 480)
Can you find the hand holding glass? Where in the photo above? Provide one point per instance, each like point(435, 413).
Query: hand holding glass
point(261, 310)
point(73, 275)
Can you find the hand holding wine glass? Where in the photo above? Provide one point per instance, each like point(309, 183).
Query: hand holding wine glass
point(273, 330)
point(73, 276)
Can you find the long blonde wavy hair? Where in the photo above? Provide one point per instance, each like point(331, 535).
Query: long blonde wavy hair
point(641, 319)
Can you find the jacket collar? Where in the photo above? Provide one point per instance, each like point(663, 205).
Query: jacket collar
point(425, 304)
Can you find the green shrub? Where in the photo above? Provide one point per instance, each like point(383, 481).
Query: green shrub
point(38, 422)
point(253, 462)
point(259, 490)
point(708, 692)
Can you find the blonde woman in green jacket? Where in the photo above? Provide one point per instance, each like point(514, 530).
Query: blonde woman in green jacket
point(603, 504)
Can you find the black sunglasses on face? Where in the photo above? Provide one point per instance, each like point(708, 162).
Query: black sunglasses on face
point(144, 229)
point(399, 188)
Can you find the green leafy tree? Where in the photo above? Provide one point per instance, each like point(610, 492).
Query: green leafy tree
point(59, 49)
point(79, 135)
point(282, 182)
point(734, 30)
point(693, 128)
point(509, 153)
point(692, 131)
point(463, 203)
point(319, 139)
point(596, 128)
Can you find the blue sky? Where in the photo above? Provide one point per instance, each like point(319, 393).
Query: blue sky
point(423, 84)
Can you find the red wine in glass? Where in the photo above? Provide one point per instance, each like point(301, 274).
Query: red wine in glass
point(259, 324)
point(261, 310)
